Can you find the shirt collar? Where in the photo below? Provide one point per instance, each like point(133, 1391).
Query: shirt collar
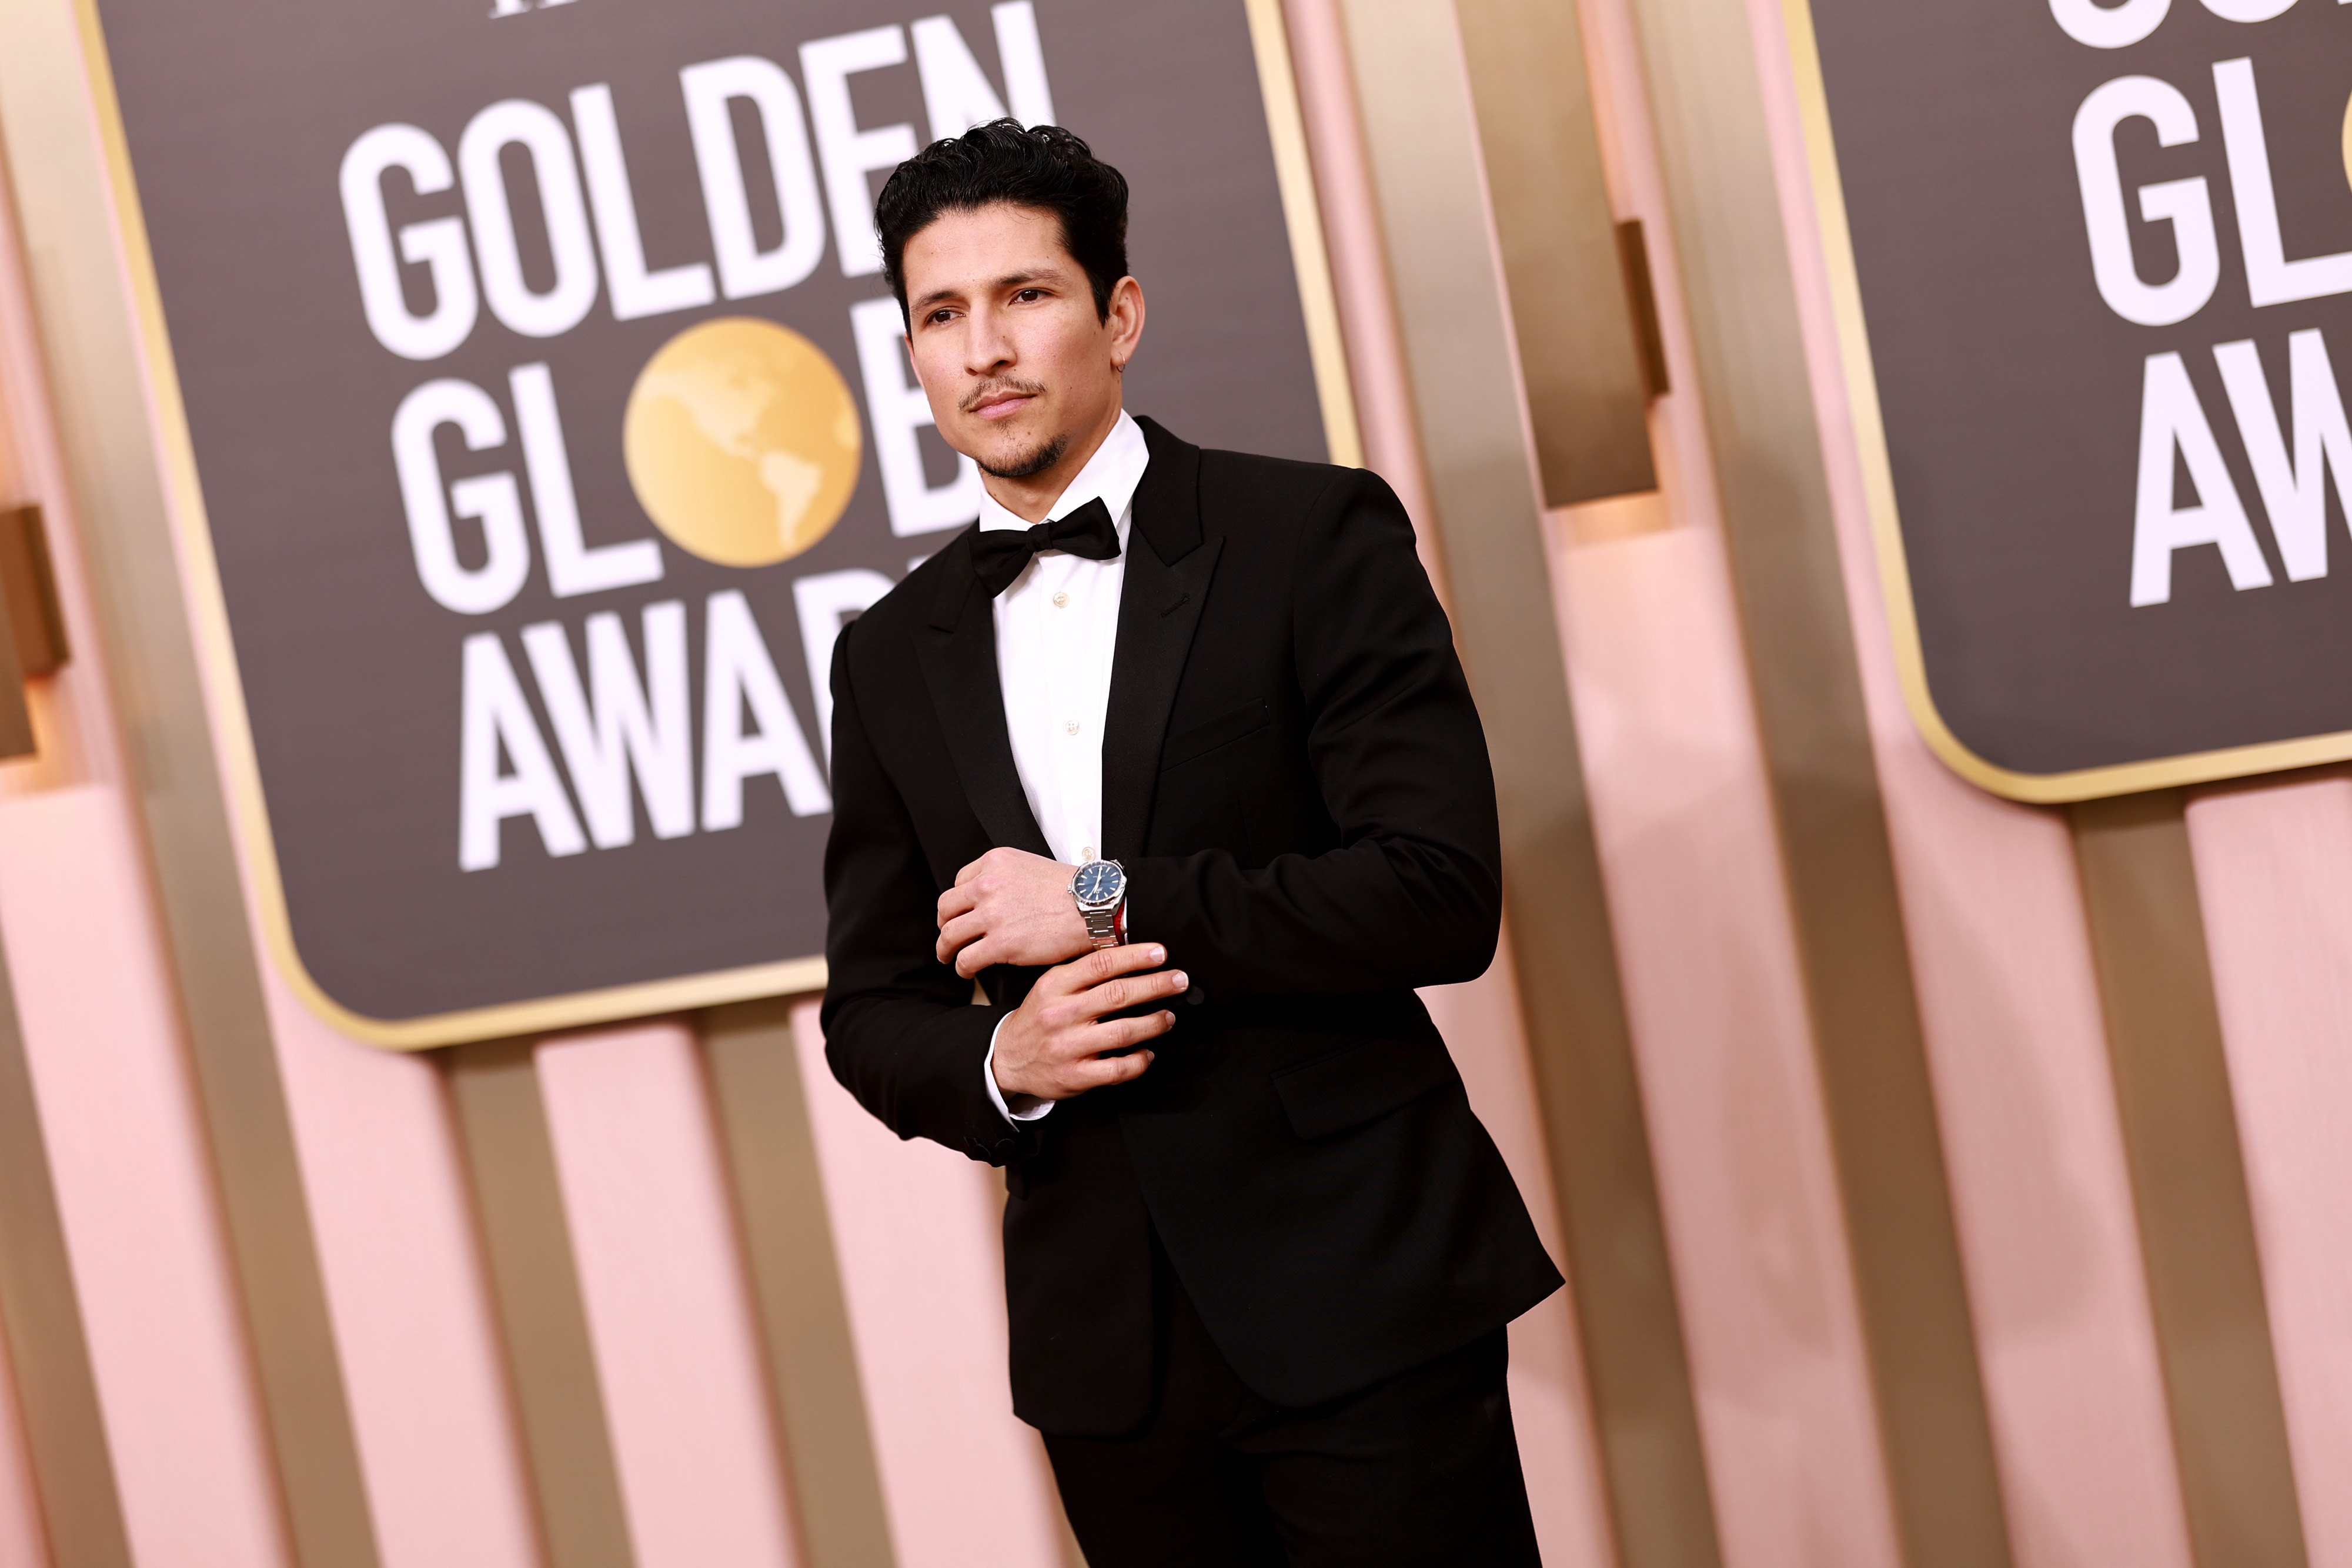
point(1112, 472)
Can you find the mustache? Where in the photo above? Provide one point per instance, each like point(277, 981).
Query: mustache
point(978, 395)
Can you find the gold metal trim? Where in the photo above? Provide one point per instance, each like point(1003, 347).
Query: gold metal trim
point(1878, 486)
point(1302, 215)
point(217, 652)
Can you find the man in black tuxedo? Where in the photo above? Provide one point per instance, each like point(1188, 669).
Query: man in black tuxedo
point(1171, 752)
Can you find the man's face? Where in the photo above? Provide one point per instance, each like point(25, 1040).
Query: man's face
point(1019, 369)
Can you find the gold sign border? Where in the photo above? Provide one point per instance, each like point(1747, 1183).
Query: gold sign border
point(1893, 571)
point(232, 725)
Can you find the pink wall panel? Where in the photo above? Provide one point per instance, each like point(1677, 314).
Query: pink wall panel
point(2034, 1154)
point(1724, 1048)
point(422, 1368)
point(670, 1312)
point(134, 1185)
point(916, 1229)
point(126, 1147)
point(2272, 863)
point(2016, 1051)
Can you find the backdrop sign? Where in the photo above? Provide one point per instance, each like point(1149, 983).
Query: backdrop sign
point(2102, 280)
point(549, 416)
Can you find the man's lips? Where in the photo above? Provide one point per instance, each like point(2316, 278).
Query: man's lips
point(998, 406)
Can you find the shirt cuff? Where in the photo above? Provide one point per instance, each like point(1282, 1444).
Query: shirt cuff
point(1024, 1107)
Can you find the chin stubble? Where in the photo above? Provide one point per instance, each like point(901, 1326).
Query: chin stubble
point(1039, 459)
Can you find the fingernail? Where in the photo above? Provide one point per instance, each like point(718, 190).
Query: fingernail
point(1178, 981)
point(1159, 955)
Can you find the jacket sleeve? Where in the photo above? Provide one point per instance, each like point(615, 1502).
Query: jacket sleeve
point(1412, 895)
point(900, 1031)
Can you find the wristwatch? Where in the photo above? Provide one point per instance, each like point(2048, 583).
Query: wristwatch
point(1100, 889)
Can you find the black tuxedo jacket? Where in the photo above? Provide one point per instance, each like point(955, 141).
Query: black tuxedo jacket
point(1296, 779)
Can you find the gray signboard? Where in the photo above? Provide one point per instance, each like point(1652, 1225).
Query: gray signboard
point(2102, 268)
point(548, 417)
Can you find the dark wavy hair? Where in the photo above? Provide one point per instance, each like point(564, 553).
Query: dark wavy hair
point(1041, 166)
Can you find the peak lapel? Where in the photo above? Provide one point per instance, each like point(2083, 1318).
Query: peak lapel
point(957, 648)
point(1168, 565)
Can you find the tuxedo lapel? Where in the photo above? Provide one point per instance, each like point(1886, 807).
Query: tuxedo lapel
point(1168, 565)
point(957, 647)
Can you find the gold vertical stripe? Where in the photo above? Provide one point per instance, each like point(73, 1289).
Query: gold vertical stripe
point(1302, 216)
point(1571, 314)
point(804, 1322)
point(1715, 150)
point(64, 1428)
point(2188, 1182)
point(535, 1286)
point(50, 58)
point(1423, 148)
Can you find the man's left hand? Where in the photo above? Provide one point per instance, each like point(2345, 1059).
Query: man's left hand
point(1010, 908)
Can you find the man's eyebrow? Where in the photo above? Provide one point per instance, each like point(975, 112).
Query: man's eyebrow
point(1010, 280)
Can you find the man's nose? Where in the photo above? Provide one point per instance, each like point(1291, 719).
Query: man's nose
point(987, 347)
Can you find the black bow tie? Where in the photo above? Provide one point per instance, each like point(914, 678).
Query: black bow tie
point(998, 555)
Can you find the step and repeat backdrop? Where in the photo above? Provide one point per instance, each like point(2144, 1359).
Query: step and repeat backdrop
point(2103, 254)
point(549, 416)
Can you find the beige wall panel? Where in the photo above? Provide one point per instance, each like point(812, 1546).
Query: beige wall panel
point(1551, 1397)
point(1683, 813)
point(58, 1492)
point(97, 357)
point(1993, 920)
point(2274, 872)
point(810, 1358)
point(416, 1334)
point(1423, 147)
point(2033, 1139)
point(60, 1507)
point(1552, 1404)
point(917, 1229)
point(1572, 308)
point(655, 1239)
point(21, 1537)
point(1714, 140)
point(535, 1282)
point(1720, 1028)
point(2172, 1083)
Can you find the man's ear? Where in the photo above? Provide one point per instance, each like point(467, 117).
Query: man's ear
point(1127, 314)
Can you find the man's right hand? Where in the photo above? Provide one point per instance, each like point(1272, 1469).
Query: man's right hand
point(1052, 1047)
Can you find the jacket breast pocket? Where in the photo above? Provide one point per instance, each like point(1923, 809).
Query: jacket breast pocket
point(1198, 740)
point(1350, 1087)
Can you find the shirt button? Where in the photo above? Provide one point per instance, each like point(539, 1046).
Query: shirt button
point(1061, 599)
point(1072, 726)
point(1086, 854)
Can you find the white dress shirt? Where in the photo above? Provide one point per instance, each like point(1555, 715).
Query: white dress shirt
point(1056, 629)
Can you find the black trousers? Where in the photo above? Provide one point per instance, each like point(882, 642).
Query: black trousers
point(1419, 1471)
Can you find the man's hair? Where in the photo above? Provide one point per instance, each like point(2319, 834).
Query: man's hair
point(1004, 161)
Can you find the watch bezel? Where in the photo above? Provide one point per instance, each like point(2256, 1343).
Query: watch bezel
point(1113, 901)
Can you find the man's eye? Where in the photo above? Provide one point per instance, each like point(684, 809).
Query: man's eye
point(1028, 294)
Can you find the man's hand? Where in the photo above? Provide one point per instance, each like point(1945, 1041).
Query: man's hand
point(1010, 908)
point(1052, 1046)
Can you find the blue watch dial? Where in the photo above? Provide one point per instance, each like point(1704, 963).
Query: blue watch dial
point(1099, 882)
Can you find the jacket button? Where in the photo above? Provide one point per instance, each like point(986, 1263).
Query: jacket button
point(1004, 1148)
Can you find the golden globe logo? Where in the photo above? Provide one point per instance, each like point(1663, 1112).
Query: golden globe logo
point(741, 442)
